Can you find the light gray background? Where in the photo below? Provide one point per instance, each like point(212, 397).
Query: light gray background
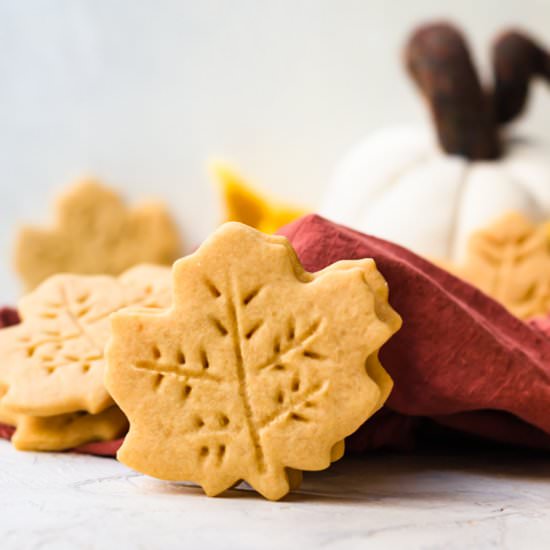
point(142, 93)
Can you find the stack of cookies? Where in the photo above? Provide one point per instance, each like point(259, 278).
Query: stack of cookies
point(51, 373)
point(236, 364)
point(51, 368)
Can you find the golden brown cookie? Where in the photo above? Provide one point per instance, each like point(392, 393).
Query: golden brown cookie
point(510, 261)
point(66, 431)
point(52, 362)
point(259, 367)
point(95, 232)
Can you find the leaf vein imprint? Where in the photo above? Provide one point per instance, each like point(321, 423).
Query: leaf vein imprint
point(307, 397)
point(77, 324)
point(235, 331)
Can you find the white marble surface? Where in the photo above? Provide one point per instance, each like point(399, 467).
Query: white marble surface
point(62, 501)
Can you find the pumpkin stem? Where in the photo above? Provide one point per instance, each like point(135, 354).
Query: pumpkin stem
point(438, 60)
point(516, 60)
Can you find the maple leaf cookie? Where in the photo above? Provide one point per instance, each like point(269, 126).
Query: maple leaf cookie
point(259, 369)
point(95, 233)
point(52, 362)
point(510, 261)
point(63, 431)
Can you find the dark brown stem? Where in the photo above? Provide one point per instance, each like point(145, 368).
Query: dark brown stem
point(439, 61)
point(516, 60)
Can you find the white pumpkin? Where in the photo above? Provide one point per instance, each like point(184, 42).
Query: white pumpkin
point(400, 186)
point(411, 186)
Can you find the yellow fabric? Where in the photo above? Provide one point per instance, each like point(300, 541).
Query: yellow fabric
point(242, 203)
